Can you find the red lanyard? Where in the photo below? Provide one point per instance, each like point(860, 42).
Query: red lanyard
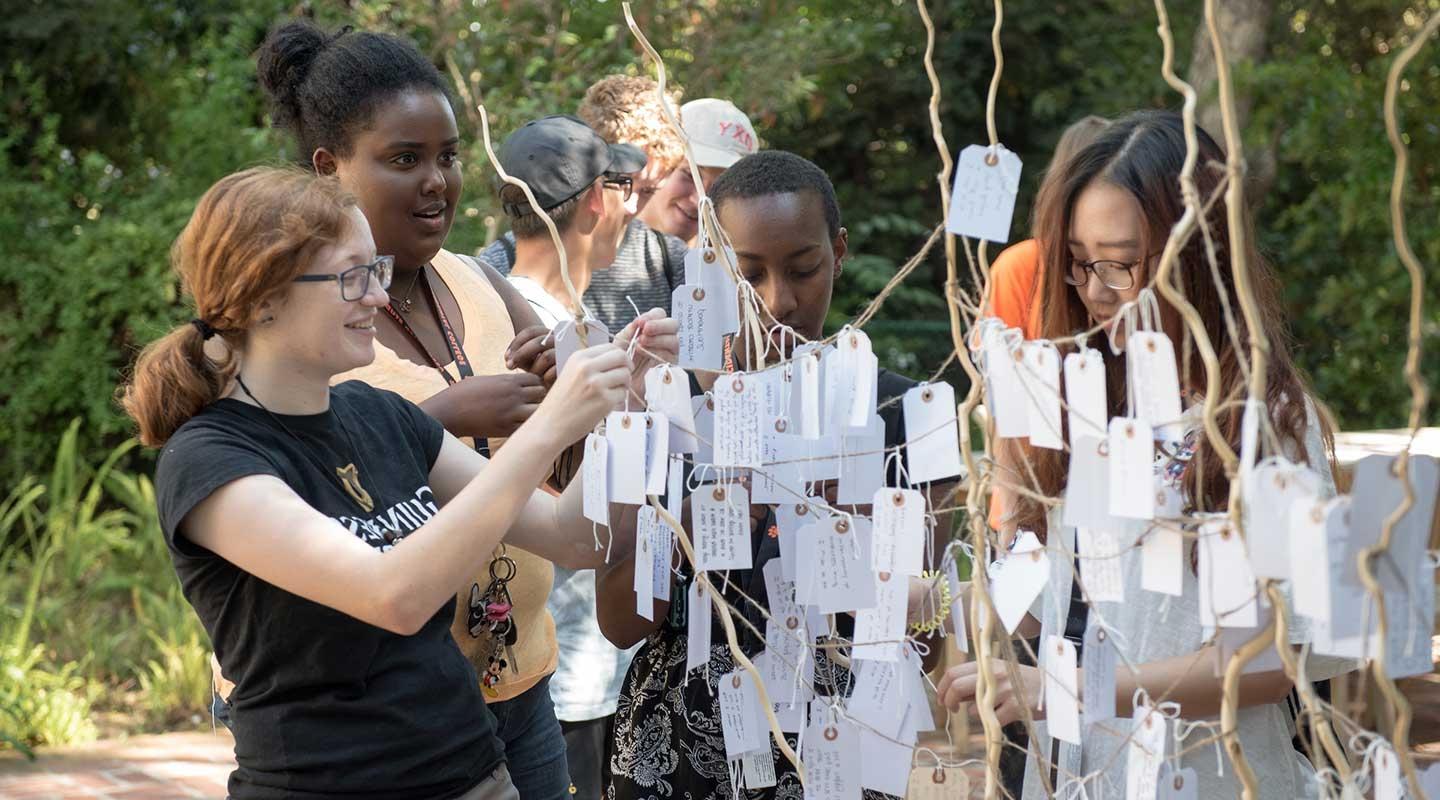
point(452, 342)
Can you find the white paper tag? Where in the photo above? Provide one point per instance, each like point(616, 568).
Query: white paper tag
point(675, 487)
point(1087, 408)
point(740, 714)
point(857, 361)
point(957, 607)
point(1151, 360)
point(831, 757)
point(662, 548)
point(781, 479)
point(1017, 579)
point(785, 634)
point(862, 465)
point(697, 639)
point(1132, 468)
point(1004, 394)
point(1087, 490)
point(886, 765)
point(1098, 656)
point(1101, 566)
point(1062, 704)
point(940, 783)
point(932, 447)
point(737, 421)
point(982, 198)
point(898, 530)
point(1272, 488)
point(721, 515)
point(1178, 784)
point(1162, 554)
point(918, 717)
point(1315, 528)
point(1387, 775)
point(625, 433)
point(704, 412)
point(1040, 374)
point(758, 769)
point(879, 698)
point(879, 629)
point(594, 474)
point(657, 453)
point(567, 341)
point(790, 520)
point(1144, 753)
point(702, 344)
point(703, 268)
point(833, 565)
point(1377, 494)
point(805, 392)
point(644, 565)
point(667, 391)
point(1228, 594)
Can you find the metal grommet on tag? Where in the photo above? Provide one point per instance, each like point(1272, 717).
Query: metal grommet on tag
point(1103, 448)
point(801, 509)
point(854, 342)
point(1035, 555)
point(1316, 514)
point(1100, 635)
point(709, 256)
point(831, 733)
point(1019, 355)
point(991, 159)
point(1179, 781)
point(1280, 482)
point(841, 526)
point(649, 421)
point(1150, 720)
point(926, 395)
point(738, 385)
point(698, 294)
point(735, 681)
point(1225, 533)
point(709, 403)
point(792, 623)
point(665, 377)
point(1150, 345)
point(883, 576)
point(938, 776)
point(625, 421)
point(1159, 498)
point(898, 498)
point(780, 426)
point(1060, 648)
point(718, 494)
point(1130, 431)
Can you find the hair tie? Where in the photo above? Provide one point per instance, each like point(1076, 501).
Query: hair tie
point(204, 327)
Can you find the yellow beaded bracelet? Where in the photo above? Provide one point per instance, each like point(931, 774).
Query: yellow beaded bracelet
point(941, 614)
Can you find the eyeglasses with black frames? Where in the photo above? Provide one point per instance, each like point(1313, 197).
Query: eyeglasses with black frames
point(355, 282)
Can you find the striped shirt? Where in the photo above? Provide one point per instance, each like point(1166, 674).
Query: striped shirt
point(648, 266)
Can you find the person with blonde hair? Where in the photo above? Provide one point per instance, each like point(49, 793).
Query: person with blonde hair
point(320, 531)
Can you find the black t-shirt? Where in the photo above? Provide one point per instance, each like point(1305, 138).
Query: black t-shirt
point(326, 705)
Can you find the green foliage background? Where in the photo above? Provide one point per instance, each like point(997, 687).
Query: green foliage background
point(118, 114)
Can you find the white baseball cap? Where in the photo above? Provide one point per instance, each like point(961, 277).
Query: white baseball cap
point(720, 134)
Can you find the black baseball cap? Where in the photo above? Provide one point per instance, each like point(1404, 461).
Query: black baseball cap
point(559, 156)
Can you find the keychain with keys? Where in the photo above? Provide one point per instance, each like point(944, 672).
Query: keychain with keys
point(492, 614)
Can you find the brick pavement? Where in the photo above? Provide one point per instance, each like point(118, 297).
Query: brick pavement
point(161, 767)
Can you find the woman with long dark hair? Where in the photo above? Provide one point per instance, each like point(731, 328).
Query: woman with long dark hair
point(320, 531)
point(1103, 223)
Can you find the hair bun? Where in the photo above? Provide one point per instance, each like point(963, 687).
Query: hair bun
point(283, 61)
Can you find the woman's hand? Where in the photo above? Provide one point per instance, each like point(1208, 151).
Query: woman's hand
point(533, 350)
point(487, 405)
point(960, 687)
point(658, 341)
point(593, 384)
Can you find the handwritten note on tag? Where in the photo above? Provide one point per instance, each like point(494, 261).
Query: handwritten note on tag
point(982, 199)
point(879, 629)
point(721, 514)
point(625, 432)
point(805, 392)
point(1144, 753)
point(1228, 593)
point(781, 478)
point(833, 565)
point(657, 453)
point(567, 340)
point(857, 362)
point(644, 565)
point(1085, 398)
point(1132, 468)
point(879, 698)
point(1017, 579)
point(831, 756)
point(697, 639)
point(667, 391)
point(1272, 488)
point(898, 530)
point(758, 770)
point(1062, 703)
point(740, 714)
point(932, 446)
point(1161, 559)
point(1004, 393)
point(1099, 668)
point(1040, 373)
point(701, 338)
point(1151, 358)
point(737, 421)
point(594, 475)
point(1100, 566)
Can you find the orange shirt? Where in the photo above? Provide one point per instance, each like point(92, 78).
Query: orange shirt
point(1015, 278)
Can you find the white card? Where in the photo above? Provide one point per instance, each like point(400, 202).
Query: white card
point(657, 453)
point(1087, 410)
point(1162, 554)
point(625, 433)
point(1178, 784)
point(667, 391)
point(781, 478)
point(1101, 566)
point(1315, 528)
point(940, 783)
point(643, 567)
point(858, 361)
point(1377, 494)
point(918, 717)
point(805, 392)
point(1004, 394)
point(737, 420)
point(758, 769)
point(1228, 593)
point(702, 344)
point(721, 523)
point(1144, 753)
point(594, 475)
point(932, 446)
point(880, 696)
point(982, 198)
point(1017, 579)
point(790, 519)
point(1151, 361)
point(662, 548)
point(831, 756)
point(740, 714)
point(957, 607)
point(1388, 783)
point(703, 408)
point(1040, 374)
point(567, 341)
point(862, 465)
point(1132, 468)
point(675, 487)
point(1062, 703)
point(785, 633)
point(1098, 656)
point(706, 270)
point(879, 629)
point(833, 565)
point(898, 530)
point(1087, 490)
point(697, 639)
point(1271, 489)
point(886, 765)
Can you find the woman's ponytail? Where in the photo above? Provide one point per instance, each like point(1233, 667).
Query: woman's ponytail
point(174, 379)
